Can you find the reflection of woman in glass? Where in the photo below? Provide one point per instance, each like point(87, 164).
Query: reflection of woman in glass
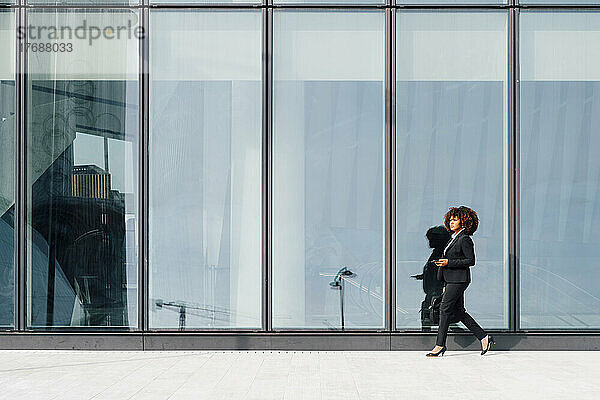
point(458, 256)
point(438, 237)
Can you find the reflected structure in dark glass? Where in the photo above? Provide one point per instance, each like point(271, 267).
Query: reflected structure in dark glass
point(205, 153)
point(7, 167)
point(451, 150)
point(560, 170)
point(82, 145)
point(328, 180)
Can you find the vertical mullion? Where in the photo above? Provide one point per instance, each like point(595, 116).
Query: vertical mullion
point(511, 168)
point(22, 179)
point(267, 73)
point(18, 267)
point(390, 228)
point(514, 172)
point(517, 130)
point(143, 280)
point(390, 165)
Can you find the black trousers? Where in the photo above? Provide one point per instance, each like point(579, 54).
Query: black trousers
point(452, 309)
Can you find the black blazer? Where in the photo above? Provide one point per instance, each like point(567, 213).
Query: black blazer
point(461, 256)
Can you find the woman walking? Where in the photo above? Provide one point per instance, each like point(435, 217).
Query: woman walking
point(458, 256)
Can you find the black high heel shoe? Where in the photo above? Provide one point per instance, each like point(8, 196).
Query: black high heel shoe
point(489, 345)
point(438, 354)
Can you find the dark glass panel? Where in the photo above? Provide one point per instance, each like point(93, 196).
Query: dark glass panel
point(82, 186)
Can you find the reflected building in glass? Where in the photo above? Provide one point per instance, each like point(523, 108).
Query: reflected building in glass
point(8, 119)
point(271, 174)
point(81, 151)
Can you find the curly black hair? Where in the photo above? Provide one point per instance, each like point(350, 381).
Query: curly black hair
point(468, 219)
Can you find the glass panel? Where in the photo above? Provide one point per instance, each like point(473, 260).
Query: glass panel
point(7, 167)
point(451, 150)
point(451, 2)
point(560, 171)
point(206, 2)
point(107, 3)
point(328, 131)
point(82, 163)
point(329, 2)
point(205, 169)
point(559, 2)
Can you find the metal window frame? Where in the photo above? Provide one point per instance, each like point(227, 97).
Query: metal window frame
point(20, 170)
point(267, 162)
point(389, 186)
point(515, 174)
point(266, 336)
point(390, 171)
point(143, 178)
point(513, 184)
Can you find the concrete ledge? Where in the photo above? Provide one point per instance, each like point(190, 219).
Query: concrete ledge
point(193, 341)
point(355, 341)
point(504, 341)
point(267, 341)
point(71, 341)
point(289, 341)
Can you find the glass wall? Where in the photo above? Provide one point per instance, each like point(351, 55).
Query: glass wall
point(205, 169)
point(7, 166)
point(560, 172)
point(82, 171)
point(271, 167)
point(328, 131)
point(451, 150)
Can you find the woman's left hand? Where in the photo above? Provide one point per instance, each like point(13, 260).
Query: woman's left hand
point(442, 262)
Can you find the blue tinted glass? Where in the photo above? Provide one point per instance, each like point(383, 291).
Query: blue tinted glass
point(7, 167)
point(559, 2)
point(84, 2)
point(451, 2)
point(328, 130)
point(241, 2)
point(327, 2)
point(560, 171)
point(451, 150)
point(205, 170)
